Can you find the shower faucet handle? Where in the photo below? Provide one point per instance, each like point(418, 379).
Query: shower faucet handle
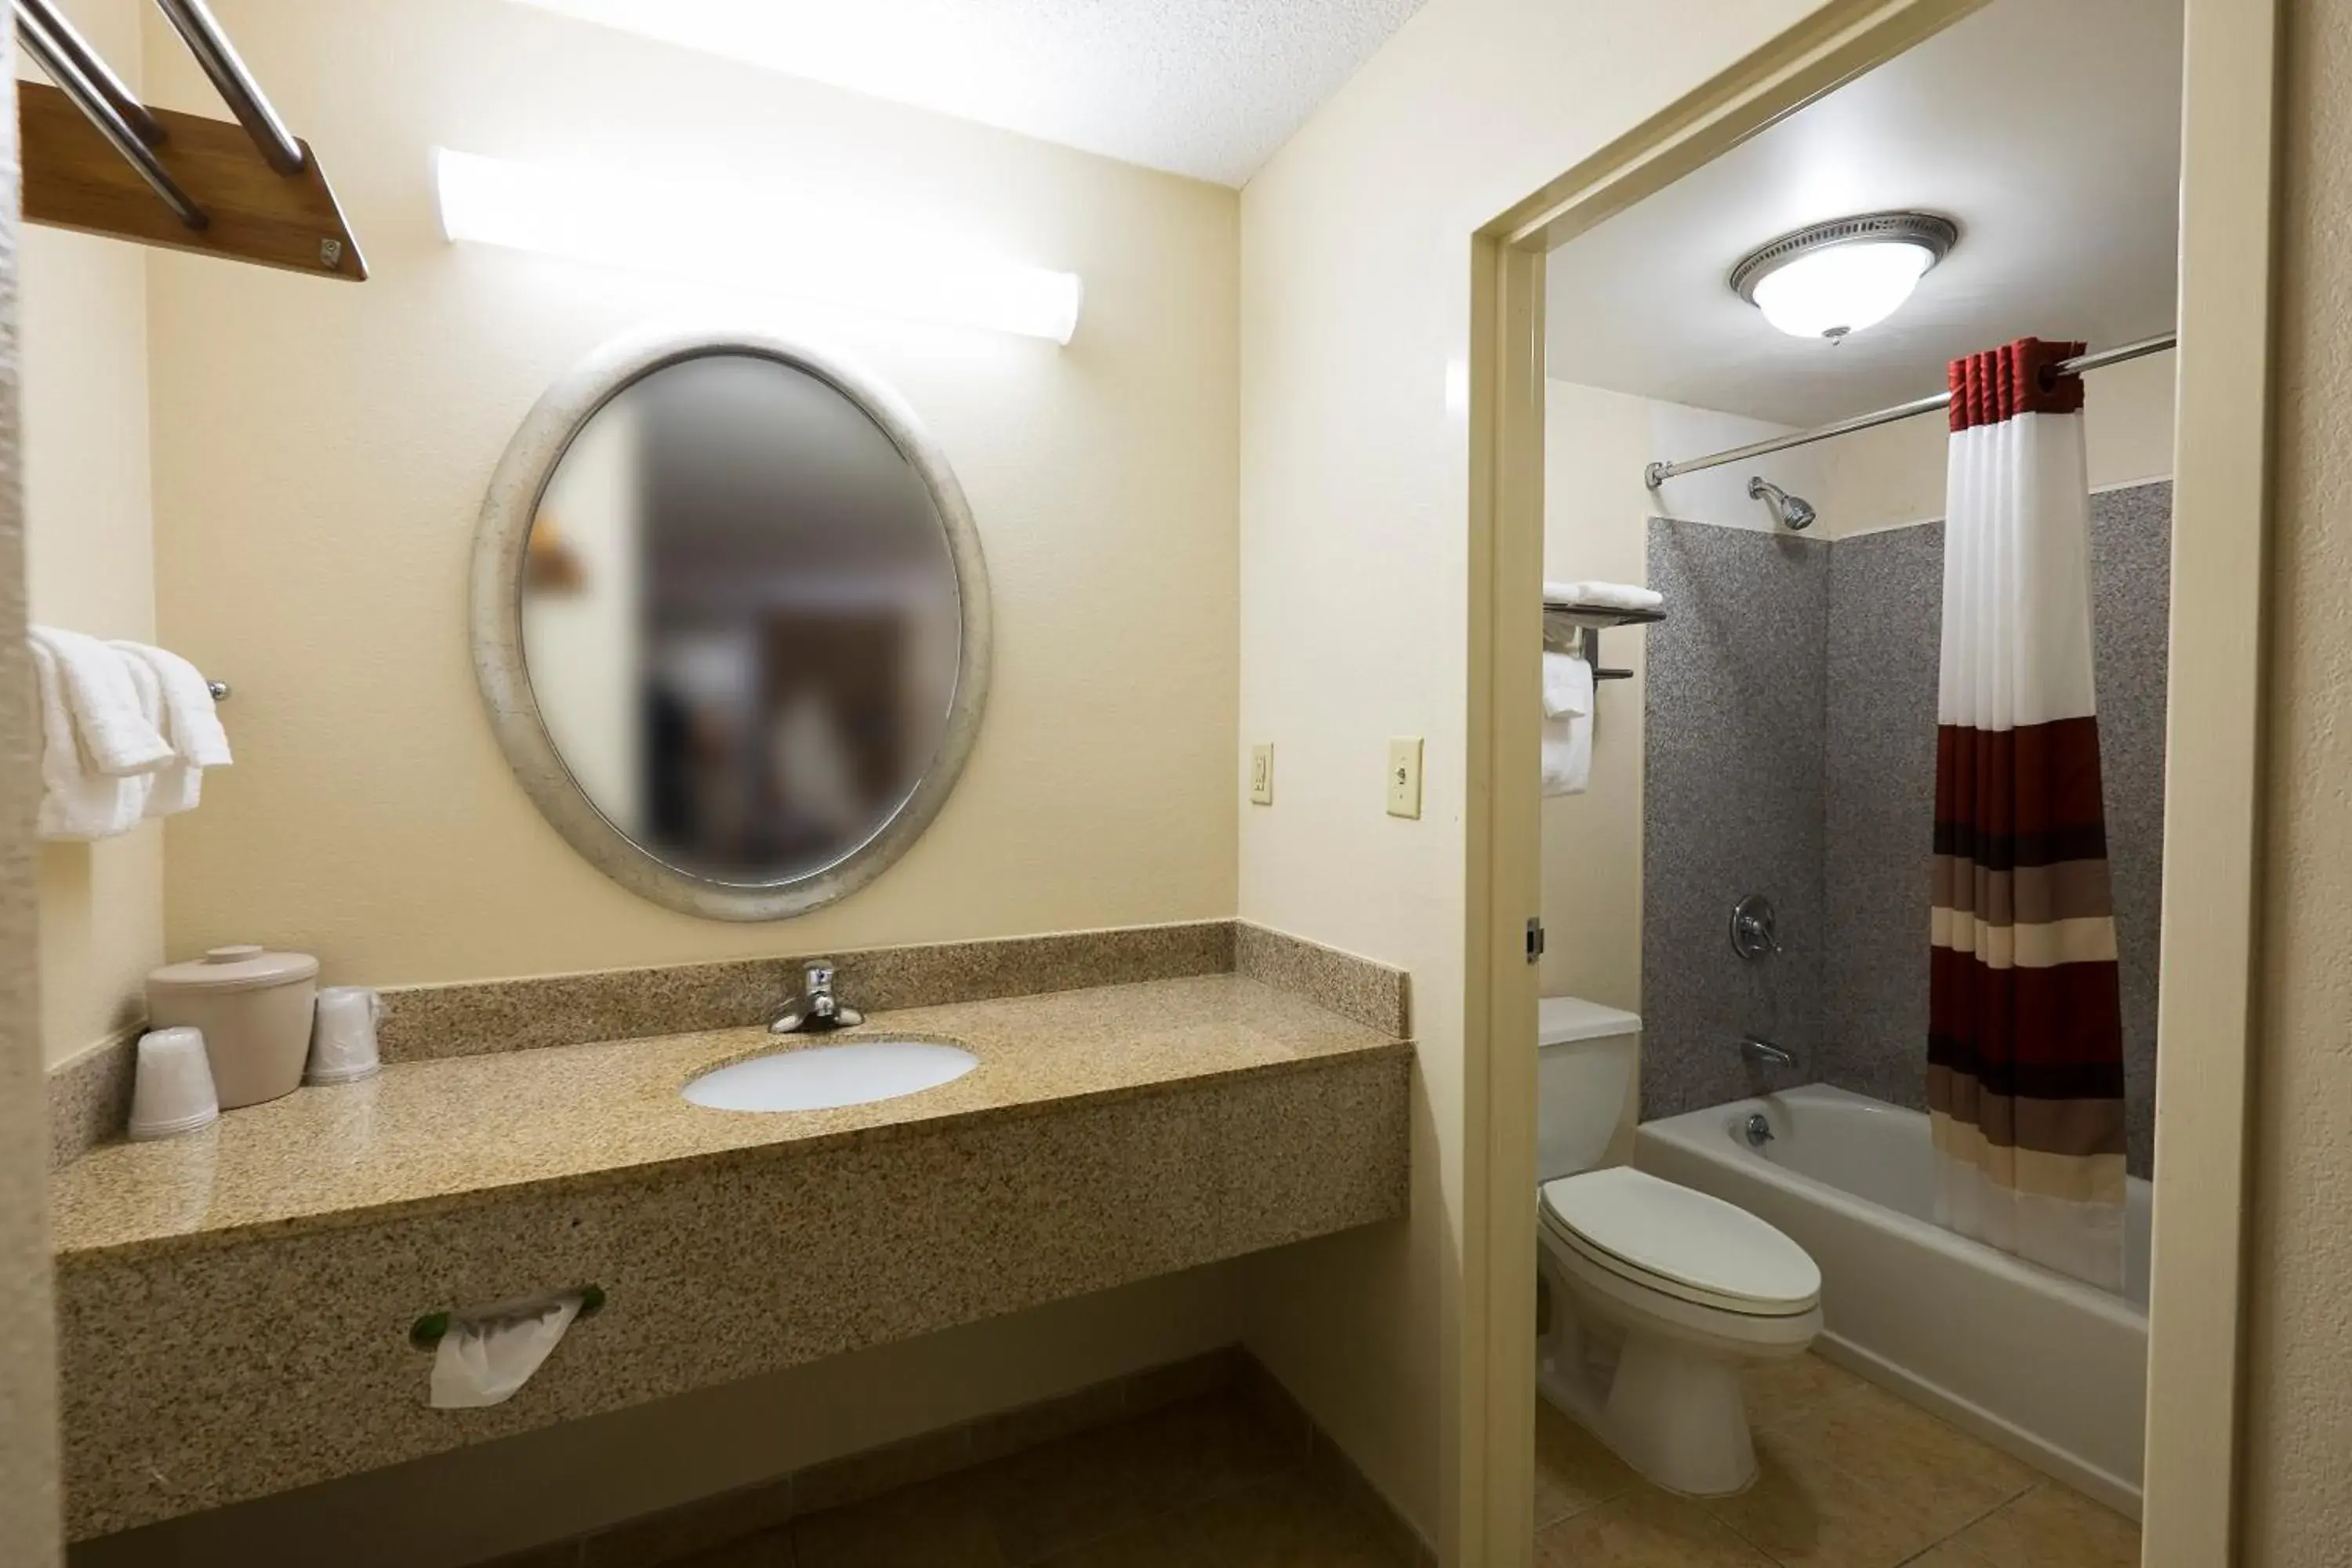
point(1752, 936)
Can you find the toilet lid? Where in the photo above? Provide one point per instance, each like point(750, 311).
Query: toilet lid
point(1685, 1243)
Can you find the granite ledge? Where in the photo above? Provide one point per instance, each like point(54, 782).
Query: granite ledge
point(90, 1094)
point(441, 1136)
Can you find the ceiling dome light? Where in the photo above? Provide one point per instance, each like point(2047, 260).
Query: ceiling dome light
point(1831, 279)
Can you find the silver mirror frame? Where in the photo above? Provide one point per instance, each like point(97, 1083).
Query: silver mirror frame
point(495, 621)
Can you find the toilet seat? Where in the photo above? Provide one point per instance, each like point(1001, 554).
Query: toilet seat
point(1680, 1243)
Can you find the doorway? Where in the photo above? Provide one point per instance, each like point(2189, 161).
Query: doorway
point(2206, 868)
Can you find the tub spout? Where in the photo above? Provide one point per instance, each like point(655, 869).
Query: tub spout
point(1756, 1049)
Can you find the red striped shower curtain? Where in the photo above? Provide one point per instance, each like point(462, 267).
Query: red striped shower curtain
point(2026, 1075)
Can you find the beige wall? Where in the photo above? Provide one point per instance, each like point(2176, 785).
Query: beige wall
point(30, 1518)
point(2299, 1421)
point(91, 567)
point(327, 447)
point(1355, 317)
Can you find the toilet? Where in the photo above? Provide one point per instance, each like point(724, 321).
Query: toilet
point(1656, 1295)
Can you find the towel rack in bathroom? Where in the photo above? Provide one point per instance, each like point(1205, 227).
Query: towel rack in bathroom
point(97, 160)
point(1568, 626)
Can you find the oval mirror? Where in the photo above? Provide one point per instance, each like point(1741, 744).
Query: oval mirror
point(730, 621)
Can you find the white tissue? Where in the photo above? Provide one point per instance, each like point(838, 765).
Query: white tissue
point(485, 1356)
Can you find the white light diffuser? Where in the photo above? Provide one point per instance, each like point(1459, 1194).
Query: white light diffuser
point(786, 245)
point(1841, 288)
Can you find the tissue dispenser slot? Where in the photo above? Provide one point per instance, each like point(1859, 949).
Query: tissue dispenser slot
point(426, 1332)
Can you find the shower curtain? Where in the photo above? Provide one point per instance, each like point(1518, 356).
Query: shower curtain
point(2026, 1075)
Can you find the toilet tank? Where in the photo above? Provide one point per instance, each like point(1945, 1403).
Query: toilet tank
point(1585, 1058)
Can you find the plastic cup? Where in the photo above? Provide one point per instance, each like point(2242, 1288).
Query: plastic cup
point(342, 1036)
point(173, 1089)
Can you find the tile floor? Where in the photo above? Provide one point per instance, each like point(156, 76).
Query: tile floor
point(1850, 1477)
point(1209, 1482)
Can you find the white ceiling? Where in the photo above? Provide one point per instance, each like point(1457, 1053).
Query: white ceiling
point(2049, 129)
point(1205, 88)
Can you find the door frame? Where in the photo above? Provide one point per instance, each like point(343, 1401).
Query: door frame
point(2207, 1014)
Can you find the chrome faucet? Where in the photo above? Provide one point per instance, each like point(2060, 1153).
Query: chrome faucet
point(816, 1008)
point(1756, 1049)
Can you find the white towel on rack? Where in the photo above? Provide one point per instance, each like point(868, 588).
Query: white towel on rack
point(172, 787)
point(116, 736)
point(1604, 595)
point(1567, 684)
point(1567, 738)
point(189, 722)
point(77, 800)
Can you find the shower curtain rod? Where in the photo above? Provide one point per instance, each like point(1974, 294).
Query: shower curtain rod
point(1659, 473)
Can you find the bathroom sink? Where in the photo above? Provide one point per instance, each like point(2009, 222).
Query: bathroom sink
point(821, 1078)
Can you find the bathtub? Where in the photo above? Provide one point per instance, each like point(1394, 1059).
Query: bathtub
point(2046, 1367)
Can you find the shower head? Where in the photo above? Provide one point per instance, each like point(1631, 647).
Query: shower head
point(1797, 513)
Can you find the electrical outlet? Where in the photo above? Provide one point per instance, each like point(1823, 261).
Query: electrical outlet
point(1404, 776)
point(1261, 774)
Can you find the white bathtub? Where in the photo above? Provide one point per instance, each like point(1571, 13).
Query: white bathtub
point(2050, 1369)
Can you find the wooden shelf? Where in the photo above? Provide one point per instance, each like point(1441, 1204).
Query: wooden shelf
point(73, 179)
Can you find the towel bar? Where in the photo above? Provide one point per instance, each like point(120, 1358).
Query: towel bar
point(1579, 626)
point(1591, 641)
point(91, 153)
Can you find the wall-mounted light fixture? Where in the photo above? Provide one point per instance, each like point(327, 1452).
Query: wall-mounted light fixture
point(1827, 280)
point(775, 247)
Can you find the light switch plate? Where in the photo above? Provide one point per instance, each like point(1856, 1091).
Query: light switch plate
point(1404, 776)
point(1261, 774)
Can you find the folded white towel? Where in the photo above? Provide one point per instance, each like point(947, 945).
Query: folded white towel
point(172, 787)
point(77, 800)
point(1606, 596)
point(189, 722)
point(192, 720)
point(116, 737)
point(1567, 738)
point(1567, 685)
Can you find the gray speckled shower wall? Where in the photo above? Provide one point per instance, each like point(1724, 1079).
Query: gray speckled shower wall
point(1736, 695)
point(1790, 751)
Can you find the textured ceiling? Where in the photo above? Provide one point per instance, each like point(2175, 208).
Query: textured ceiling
point(2050, 131)
point(1205, 88)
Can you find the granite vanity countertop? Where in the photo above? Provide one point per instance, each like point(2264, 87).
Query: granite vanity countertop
point(435, 1134)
